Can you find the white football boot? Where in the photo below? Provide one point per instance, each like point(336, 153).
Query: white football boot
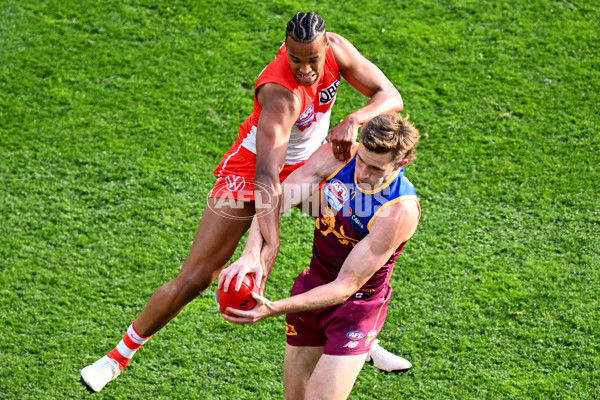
point(386, 361)
point(97, 375)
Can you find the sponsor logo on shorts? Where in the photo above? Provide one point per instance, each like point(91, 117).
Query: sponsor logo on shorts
point(355, 335)
point(337, 194)
point(351, 344)
point(370, 336)
point(290, 330)
point(328, 94)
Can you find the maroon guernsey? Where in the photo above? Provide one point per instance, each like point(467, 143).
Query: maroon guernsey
point(348, 214)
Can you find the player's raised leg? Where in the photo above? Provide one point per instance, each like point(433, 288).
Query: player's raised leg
point(216, 239)
point(298, 365)
point(334, 376)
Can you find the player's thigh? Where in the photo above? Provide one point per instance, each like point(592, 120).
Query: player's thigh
point(218, 234)
point(334, 376)
point(298, 365)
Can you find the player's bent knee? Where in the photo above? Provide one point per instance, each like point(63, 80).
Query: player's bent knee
point(195, 286)
point(192, 285)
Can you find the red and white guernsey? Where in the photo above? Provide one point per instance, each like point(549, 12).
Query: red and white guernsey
point(311, 128)
point(235, 172)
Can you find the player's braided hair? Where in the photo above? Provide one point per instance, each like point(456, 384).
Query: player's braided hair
point(305, 27)
point(391, 132)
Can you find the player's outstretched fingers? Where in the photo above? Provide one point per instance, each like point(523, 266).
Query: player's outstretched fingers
point(346, 146)
point(238, 317)
point(239, 280)
point(258, 279)
point(240, 299)
point(225, 279)
point(338, 150)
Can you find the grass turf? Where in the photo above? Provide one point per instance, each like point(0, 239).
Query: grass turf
point(114, 114)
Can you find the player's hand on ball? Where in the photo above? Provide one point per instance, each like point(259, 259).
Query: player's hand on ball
point(263, 309)
point(239, 299)
point(240, 268)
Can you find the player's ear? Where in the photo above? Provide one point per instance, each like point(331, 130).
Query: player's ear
point(401, 163)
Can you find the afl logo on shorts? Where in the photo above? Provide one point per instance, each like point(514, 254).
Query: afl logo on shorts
point(355, 335)
point(307, 117)
point(336, 193)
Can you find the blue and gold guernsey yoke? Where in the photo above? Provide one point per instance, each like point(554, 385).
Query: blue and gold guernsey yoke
point(345, 219)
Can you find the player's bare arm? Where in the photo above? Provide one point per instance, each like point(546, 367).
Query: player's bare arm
point(302, 182)
point(280, 110)
point(366, 78)
point(249, 262)
point(386, 234)
point(296, 188)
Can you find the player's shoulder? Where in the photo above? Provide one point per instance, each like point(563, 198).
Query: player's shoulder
point(334, 38)
point(338, 42)
point(272, 93)
point(398, 221)
point(344, 52)
point(404, 206)
point(398, 209)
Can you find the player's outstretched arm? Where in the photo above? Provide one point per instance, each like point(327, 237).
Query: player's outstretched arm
point(305, 180)
point(297, 187)
point(370, 81)
point(280, 110)
point(249, 263)
point(386, 234)
point(394, 226)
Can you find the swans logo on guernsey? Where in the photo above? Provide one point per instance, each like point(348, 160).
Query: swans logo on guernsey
point(307, 117)
point(337, 193)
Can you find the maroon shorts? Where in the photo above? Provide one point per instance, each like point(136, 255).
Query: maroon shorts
point(235, 174)
point(345, 329)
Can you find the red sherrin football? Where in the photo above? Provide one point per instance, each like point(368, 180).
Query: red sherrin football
point(242, 299)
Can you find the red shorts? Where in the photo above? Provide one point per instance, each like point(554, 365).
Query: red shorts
point(345, 329)
point(235, 174)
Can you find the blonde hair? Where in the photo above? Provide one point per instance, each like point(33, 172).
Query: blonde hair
point(391, 133)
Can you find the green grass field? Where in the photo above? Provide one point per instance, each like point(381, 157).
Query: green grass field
point(113, 116)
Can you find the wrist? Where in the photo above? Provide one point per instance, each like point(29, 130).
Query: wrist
point(251, 252)
point(275, 309)
point(272, 245)
point(353, 121)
